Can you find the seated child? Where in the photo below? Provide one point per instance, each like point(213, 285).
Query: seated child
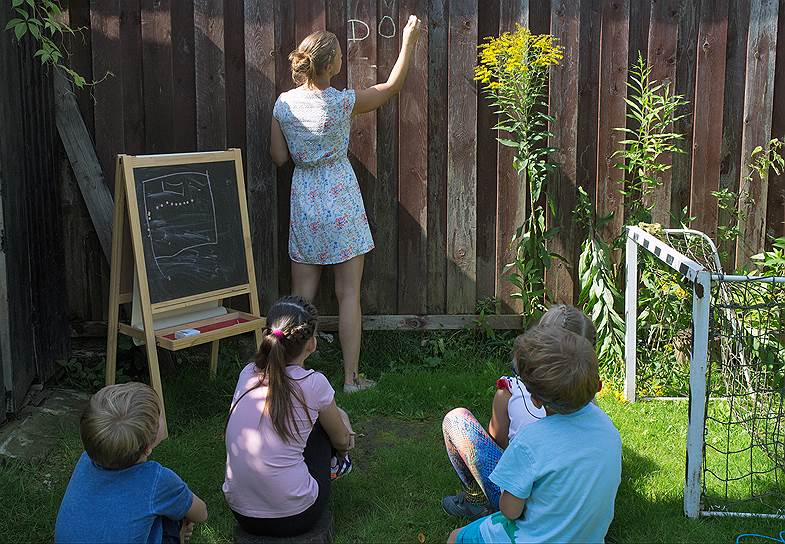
point(473, 452)
point(115, 493)
point(283, 429)
point(559, 478)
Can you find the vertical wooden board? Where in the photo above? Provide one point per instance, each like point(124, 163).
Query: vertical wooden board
point(437, 157)
point(511, 188)
point(107, 59)
point(686, 51)
point(709, 97)
point(285, 44)
point(382, 200)
point(540, 16)
point(309, 17)
point(563, 104)
point(640, 17)
point(184, 76)
point(775, 218)
point(81, 56)
point(210, 75)
point(335, 18)
point(234, 59)
point(159, 97)
point(663, 38)
point(413, 171)
point(133, 95)
point(733, 114)
point(614, 32)
point(361, 60)
point(756, 131)
point(260, 172)
point(462, 158)
point(588, 93)
point(487, 26)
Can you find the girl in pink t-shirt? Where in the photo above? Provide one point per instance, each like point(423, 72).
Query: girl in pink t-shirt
point(283, 429)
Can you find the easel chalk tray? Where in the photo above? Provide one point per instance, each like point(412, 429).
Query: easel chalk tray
point(181, 244)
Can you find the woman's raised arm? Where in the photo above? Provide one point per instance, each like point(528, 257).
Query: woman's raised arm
point(371, 98)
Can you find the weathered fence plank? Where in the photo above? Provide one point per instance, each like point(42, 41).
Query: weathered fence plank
point(487, 25)
point(260, 170)
point(210, 75)
point(461, 158)
point(511, 202)
point(381, 198)
point(132, 76)
point(437, 157)
point(335, 19)
point(775, 217)
point(107, 59)
point(707, 136)
point(663, 36)
point(758, 103)
point(413, 172)
point(81, 59)
point(234, 55)
point(159, 98)
point(184, 76)
point(615, 26)
point(563, 101)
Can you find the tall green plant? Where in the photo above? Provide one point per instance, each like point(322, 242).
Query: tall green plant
point(513, 71)
point(42, 20)
point(652, 107)
point(599, 294)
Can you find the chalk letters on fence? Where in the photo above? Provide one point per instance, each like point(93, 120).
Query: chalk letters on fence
point(386, 29)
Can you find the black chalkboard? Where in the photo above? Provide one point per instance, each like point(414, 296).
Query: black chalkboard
point(191, 226)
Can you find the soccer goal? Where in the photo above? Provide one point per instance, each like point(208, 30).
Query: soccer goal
point(733, 347)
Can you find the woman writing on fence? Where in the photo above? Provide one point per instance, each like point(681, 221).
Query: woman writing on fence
point(328, 223)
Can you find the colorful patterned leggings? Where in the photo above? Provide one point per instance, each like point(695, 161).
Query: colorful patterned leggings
point(472, 452)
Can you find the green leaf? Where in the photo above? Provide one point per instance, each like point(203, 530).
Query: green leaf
point(20, 30)
point(13, 22)
point(16, 3)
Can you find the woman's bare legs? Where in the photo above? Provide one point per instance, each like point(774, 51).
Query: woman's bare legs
point(305, 280)
point(348, 278)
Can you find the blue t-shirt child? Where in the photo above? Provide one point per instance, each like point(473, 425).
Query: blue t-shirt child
point(126, 505)
point(568, 468)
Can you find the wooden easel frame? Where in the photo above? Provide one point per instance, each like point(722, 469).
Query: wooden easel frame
point(121, 284)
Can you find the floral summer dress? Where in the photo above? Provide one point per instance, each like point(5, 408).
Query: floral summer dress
point(328, 221)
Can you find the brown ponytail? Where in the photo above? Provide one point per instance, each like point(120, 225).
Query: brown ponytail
point(291, 323)
point(313, 56)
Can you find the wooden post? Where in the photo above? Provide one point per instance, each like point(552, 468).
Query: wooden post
point(630, 319)
point(115, 274)
point(214, 358)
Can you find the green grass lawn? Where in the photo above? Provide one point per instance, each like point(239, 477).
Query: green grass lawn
point(401, 470)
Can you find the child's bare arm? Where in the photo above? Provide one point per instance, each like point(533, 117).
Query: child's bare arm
point(511, 506)
point(371, 98)
point(198, 511)
point(278, 148)
point(499, 427)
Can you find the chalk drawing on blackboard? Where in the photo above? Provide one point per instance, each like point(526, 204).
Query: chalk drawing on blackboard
point(179, 212)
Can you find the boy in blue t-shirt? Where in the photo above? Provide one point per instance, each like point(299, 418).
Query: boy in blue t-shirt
point(115, 493)
point(559, 477)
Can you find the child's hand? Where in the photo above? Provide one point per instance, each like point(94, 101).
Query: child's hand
point(186, 531)
point(411, 32)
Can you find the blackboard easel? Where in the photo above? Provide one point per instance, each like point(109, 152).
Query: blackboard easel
point(190, 243)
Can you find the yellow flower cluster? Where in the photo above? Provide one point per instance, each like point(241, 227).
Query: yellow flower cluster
point(503, 60)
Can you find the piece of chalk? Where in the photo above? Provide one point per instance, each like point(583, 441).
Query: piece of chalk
point(183, 333)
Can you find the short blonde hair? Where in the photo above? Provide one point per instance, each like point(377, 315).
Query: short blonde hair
point(570, 318)
point(119, 424)
point(313, 56)
point(558, 367)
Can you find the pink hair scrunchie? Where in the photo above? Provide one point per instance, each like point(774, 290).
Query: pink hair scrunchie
point(278, 333)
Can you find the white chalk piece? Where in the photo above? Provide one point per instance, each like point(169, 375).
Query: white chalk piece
point(183, 333)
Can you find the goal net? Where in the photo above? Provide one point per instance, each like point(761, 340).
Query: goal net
point(724, 335)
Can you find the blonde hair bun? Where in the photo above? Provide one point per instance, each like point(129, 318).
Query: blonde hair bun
point(313, 56)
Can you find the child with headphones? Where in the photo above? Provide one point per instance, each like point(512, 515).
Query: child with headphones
point(475, 453)
point(559, 478)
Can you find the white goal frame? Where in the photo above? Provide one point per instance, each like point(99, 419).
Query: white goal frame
point(700, 279)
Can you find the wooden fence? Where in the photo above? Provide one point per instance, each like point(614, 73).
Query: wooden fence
point(440, 193)
point(34, 328)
